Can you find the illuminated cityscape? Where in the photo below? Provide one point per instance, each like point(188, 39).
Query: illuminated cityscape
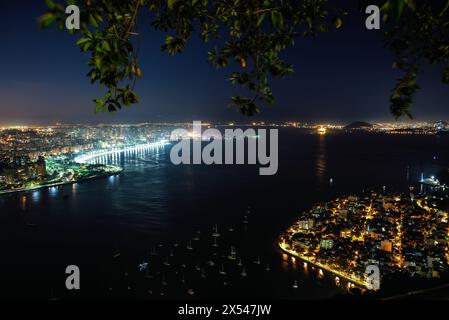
point(32, 158)
point(402, 233)
point(224, 158)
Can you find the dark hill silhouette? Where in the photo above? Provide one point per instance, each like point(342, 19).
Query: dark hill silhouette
point(359, 125)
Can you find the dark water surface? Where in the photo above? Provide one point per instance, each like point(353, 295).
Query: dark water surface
point(153, 205)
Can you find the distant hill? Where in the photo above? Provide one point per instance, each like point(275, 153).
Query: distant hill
point(359, 125)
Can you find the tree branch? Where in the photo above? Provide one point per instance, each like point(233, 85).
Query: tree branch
point(133, 20)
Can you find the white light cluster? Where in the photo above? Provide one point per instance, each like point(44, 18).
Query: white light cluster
point(90, 156)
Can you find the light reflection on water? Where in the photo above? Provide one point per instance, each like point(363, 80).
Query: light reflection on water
point(36, 196)
point(23, 202)
point(53, 191)
point(153, 200)
point(321, 162)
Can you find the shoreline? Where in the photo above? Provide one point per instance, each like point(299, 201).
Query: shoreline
point(357, 282)
point(58, 184)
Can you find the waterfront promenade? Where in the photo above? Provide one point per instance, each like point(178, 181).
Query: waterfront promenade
point(341, 274)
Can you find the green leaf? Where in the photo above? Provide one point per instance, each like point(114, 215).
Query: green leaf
point(93, 21)
point(105, 46)
point(261, 19)
point(47, 19)
point(338, 23)
point(170, 3)
point(82, 41)
point(50, 4)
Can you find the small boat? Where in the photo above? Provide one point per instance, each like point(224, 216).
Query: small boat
point(245, 220)
point(191, 292)
point(267, 268)
point(53, 297)
point(166, 262)
point(215, 233)
point(233, 253)
point(211, 263)
point(231, 229)
point(243, 274)
point(196, 236)
point(222, 270)
point(189, 245)
point(240, 263)
point(295, 284)
point(257, 261)
point(143, 266)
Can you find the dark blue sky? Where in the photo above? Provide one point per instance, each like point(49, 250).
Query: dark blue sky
point(344, 75)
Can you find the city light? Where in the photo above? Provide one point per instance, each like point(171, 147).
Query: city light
point(342, 236)
point(85, 158)
point(322, 130)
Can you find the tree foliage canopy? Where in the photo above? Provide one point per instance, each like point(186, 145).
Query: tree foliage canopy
point(252, 35)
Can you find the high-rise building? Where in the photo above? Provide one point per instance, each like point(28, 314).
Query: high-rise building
point(41, 166)
point(326, 243)
point(21, 161)
point(4, 163)
point(386, 245)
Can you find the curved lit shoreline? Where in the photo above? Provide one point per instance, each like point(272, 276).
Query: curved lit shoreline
point(117, 171)
point(84, 158)
point(350, 278)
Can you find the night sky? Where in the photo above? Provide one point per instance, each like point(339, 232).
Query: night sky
point(342, 76)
